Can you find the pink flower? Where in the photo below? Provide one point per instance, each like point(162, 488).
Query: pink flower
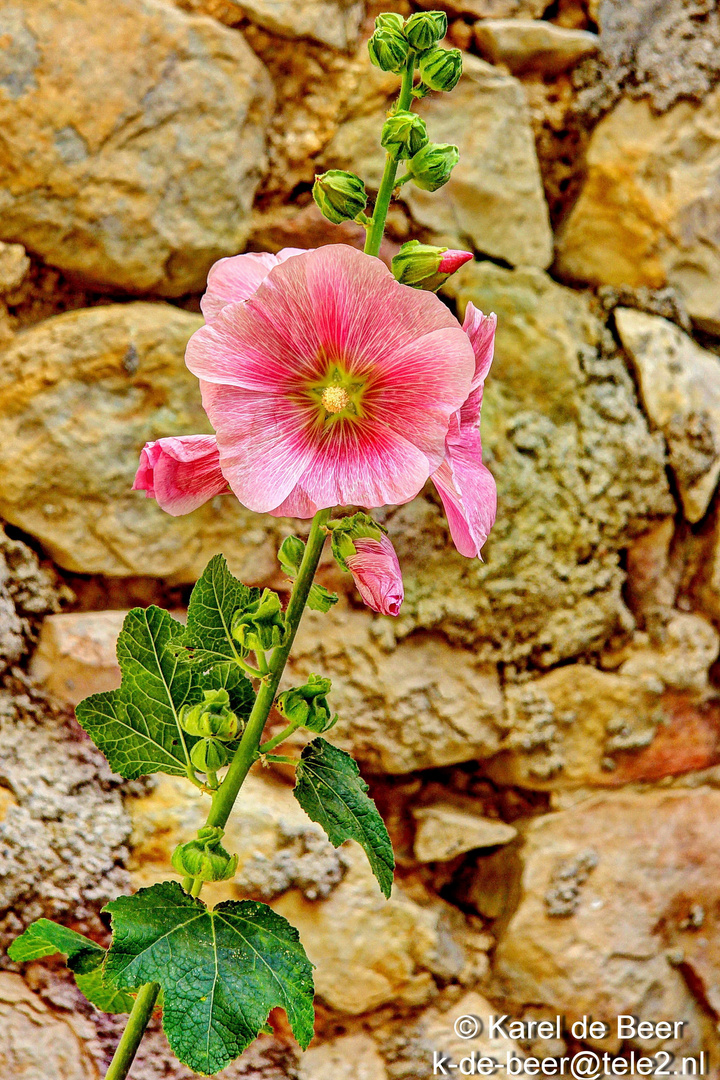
point(331, 385)
point(451, 260)
point(376, 571)
point(181, 473)
point(238, 278)
point(465, 485)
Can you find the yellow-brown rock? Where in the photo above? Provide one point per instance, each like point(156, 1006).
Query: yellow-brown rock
point(75, 656)
point(351, 1057)
point(79, 396)
point(444, 831)
point(36, 1043)
point(647, 214)
point(331, 22)
point(525, 45)
point(132, 146)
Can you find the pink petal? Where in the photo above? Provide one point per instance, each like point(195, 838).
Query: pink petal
point(236, 278)
point(376, 571)
point(452, 260)
point(256, 358)
point(181, 473)
point(481, 331)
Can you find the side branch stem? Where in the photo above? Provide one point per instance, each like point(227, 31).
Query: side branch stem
point(387, 184)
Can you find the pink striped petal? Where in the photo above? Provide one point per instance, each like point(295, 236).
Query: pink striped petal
point(481, 331)
point(376, 571)
point(236, 278)
point(181, 472)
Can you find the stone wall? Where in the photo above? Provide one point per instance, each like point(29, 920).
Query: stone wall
point(542, 729)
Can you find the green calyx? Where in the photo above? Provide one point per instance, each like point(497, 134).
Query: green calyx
point(431, 167)
point(209, 755)
point(307, 706)
point(425, 28)
point(211, 718)
point(290, 555)
point(417, 265)
point(340, 195)
point(261, 625)
point(346, 530)
point(440, 69)
point(205, 858)
point(404, 134)
point(389, 48)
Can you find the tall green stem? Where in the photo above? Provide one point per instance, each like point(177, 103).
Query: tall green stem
point(132, 1035)
point(225, 796)
point(227, 793)
point(387, 184)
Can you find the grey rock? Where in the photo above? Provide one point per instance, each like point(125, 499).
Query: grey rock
point(526, 45)
point(331, 22)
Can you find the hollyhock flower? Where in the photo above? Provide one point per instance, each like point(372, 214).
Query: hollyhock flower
point(238, 277)
point(181, 473)
point(376, 571)
point(331, 385)
point(465, 485)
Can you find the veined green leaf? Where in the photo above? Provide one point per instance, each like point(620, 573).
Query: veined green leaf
point(221, 970)
point(216, 597)
point(84, 958)
point(331, 791)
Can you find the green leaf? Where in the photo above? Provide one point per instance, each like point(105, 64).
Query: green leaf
point(137, 726)
point(221, 971)
point(320, 598)
point(84, 958)
point(331, 791)
point(216, 597)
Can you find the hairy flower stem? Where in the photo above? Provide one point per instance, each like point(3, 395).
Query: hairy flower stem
point(132, 1035)
point(387, 184)
point(246, 753)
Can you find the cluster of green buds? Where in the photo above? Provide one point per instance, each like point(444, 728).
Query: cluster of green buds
point(213, 723)
point(260, 625)
point(205, 858)
point(306, 706)
point(397, 41)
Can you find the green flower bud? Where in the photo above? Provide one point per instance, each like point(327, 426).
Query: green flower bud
point(347, 529)
point(205, 857)
point(404, 133)
point(261, 625)
point(425, 28)
point(212, 717)
point(209, 755)
point(423, 266)
point(307, 705)
point(291, 554)
point(440, 69)
point(389, 20)
point(388, 49)
point(340, 195)
point(431, 167)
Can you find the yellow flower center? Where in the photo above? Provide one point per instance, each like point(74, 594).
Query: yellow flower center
point(335, 398)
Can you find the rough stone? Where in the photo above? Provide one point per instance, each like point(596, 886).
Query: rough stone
point(525, 45)
point(419, 705)
point(14, 265)
point(79, 396)
point(351, 1057)
point(331, 22)
point(76, 657)
point(27, 592)
point(409, 1047)
point(637, 926)
point(494, 200)
point(145, 173)
point(578, 475)
point(647, 214)
point(368, 951)
point(36, 1043)
point(682, 658)
point(445, 831)
point(62, 841)
point(680, 387)
point(489, 9)
point(664, 50)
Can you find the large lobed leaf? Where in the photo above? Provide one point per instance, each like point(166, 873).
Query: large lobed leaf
point(84, 958)
point(331, 791)
point(215, 598)
point(137, 726)
point(221, 970)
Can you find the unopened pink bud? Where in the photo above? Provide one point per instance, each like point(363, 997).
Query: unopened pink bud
point(451, 261)
point(376, 571)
